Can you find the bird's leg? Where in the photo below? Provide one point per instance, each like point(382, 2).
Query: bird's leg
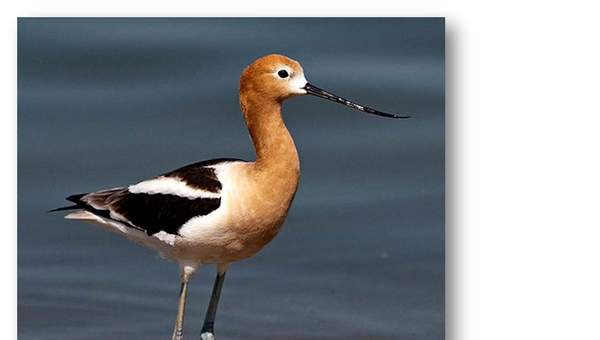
point(178, 330)
point(208, 332)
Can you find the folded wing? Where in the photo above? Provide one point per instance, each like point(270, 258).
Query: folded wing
point(164, 203)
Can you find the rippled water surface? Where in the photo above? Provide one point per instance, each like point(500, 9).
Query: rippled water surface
point(105, 103)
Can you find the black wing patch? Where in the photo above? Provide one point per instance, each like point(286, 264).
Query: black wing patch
point(198, 176)
point(162, 212)
point(151, 213)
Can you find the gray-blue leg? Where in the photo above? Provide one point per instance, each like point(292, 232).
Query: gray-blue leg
point(208, 332)
point(178, 329)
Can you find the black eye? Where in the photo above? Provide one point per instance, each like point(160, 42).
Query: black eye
point(283, 74)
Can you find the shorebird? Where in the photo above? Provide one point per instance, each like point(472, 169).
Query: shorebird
point(221, 210)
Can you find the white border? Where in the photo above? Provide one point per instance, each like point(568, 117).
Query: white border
point(8, 144)
point(523, 164)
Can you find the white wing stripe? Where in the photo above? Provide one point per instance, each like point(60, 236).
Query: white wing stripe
point(170, 186)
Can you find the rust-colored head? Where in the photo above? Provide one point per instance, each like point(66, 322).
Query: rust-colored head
point(273, 77)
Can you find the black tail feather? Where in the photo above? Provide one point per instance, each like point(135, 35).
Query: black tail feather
point(71, 207)
point(73, 198)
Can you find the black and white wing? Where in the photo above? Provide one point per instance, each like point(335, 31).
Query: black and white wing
point(164, 203)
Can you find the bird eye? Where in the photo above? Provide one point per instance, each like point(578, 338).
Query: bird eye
point(283, 74)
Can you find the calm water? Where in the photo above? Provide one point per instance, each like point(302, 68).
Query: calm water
point(105, 103)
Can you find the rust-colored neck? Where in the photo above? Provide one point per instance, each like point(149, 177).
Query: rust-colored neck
point(273, 143)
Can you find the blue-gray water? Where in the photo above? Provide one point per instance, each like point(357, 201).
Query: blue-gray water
point(105, 103)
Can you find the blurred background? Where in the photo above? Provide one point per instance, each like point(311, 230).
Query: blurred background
point(109, 102)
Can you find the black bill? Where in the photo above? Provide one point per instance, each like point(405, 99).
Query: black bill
point(315, 91)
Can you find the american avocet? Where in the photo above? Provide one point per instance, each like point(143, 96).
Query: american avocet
point(222, 210)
